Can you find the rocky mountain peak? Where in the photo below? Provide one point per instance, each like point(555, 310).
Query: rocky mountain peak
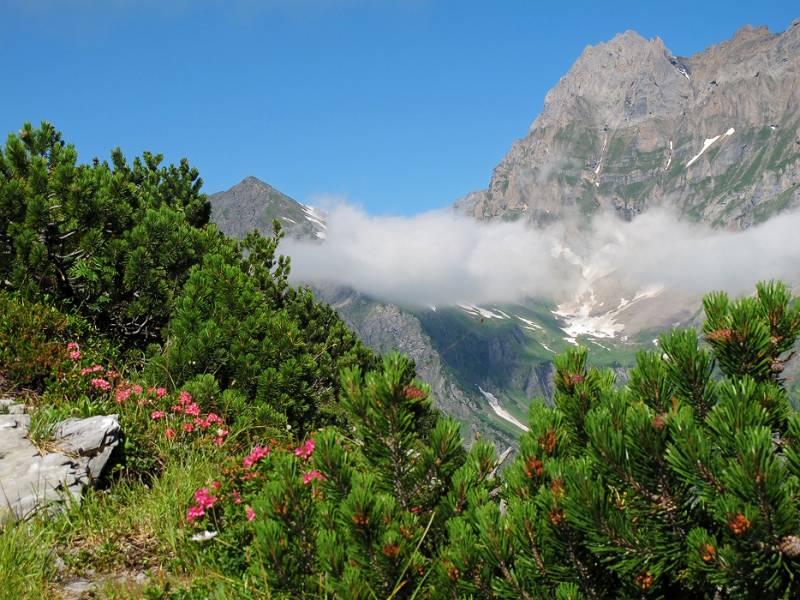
point(624, 80)
point(253, 204)
point(715, 135)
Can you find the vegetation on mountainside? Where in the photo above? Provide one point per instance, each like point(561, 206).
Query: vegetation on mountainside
point(269, 454)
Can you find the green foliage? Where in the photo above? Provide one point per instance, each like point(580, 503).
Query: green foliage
point(678, 485)
point(238, 319)
point(682, 484)
point(111, 241)
point(360, 515)
point(128, 247)
point(33, 340)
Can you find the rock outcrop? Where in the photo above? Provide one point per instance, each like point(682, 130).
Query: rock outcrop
point(32, 482)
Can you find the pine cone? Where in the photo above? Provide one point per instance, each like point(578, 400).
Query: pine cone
point(790, 546)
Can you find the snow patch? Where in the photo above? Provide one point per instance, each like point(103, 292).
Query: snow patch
point(681, 70)
point(314, 216)
point(548, 348)
point(669, 158)
point(707, 144)
point(579, 320)
point(477, 311)
point(500, 411)
point(290, 220)
point(529, 324)
point(602, 151)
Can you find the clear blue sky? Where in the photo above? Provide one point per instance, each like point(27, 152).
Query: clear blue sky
point(398, 105)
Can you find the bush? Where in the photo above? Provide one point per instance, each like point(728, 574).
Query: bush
point(683, 484)
point(33, 341)
point(112, 242)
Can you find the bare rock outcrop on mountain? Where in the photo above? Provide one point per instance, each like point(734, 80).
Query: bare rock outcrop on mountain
point(715, 135)
point(35, 483)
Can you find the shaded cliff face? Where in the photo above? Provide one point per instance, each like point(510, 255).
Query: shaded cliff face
point(715, 135)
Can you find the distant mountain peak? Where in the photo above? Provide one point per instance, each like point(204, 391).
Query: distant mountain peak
point(253, 204)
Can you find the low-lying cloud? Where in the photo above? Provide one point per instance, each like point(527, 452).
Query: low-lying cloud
point(441, 258)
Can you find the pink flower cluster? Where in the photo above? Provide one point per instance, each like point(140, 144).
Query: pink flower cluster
point(235, 496)
point(204, 500)
point(196, 422)
point(100, 384)
point(312, 475)
point(305, 450)
point(93, 369)
point(73, 351)
point(255, 455)
point(125, 390)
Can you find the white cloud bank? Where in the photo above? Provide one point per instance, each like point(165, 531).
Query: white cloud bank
point(440, 258)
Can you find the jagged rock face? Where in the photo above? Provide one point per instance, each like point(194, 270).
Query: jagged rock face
point(715, 135)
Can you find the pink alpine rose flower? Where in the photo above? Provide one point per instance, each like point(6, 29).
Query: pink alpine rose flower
point(255, 455)
point(305, 450)
point(100, 384)
point(251, 514)
point(312, 475)
point(195, 512)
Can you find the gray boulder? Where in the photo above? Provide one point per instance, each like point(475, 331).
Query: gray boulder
point(34, 483)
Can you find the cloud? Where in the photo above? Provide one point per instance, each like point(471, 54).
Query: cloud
point(441, 258)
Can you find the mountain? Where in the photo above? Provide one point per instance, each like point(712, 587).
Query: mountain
point(253, 204)
point(715, 135)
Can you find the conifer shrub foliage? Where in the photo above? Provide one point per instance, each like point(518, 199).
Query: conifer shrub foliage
point(111, 241)
point(129, 247)
point(683, 484)
point(355, 512)
point(238, 319)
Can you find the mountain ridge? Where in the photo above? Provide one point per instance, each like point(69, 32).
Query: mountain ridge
point(622, 150)
point(619, 130)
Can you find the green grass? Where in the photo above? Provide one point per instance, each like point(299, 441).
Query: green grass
point(129, 528)
point(25, 563)
point(42, 426)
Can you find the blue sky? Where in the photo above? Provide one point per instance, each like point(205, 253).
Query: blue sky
point(396, 105)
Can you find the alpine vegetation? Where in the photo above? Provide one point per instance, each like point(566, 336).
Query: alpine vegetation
point(265, 452)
